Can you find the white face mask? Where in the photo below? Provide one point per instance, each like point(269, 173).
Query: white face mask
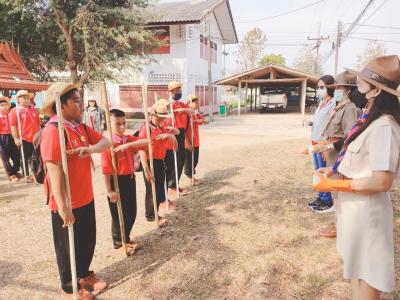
point(339, 95)
point(321, 93)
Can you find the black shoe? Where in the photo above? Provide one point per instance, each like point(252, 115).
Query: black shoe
point(315, 203)
point(324, 208)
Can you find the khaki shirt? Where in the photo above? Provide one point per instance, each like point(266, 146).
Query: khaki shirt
point(341, 122)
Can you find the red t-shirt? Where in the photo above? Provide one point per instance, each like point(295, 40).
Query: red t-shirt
point(158, 146)
point(196, 137)
point(169, 145)
point(79, 169)
point(30, 122)
point(181, 118)
point(4, 124)
point(124, 159)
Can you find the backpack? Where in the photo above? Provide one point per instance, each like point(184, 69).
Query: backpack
point(35, 161)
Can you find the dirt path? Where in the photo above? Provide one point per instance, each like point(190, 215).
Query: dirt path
point(246, 233)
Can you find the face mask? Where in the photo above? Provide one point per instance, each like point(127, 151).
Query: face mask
point(338, 95)
point(177, 96)
point(321, 93)
point(358, 99)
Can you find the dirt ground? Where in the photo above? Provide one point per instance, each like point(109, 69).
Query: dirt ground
point(245, 233)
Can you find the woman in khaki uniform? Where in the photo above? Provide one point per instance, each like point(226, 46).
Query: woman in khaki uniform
point(369, 164)
point(341, 120)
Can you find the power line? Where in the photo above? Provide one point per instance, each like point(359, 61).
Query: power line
point(374, 26)
point(372, 14)
point(378, 40)
point(284, 13)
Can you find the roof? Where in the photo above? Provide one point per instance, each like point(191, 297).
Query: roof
point(193, 12)
point(13, 71)
point(282, 75)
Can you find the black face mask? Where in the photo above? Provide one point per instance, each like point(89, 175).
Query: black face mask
point(358, 99)
point(177, 96)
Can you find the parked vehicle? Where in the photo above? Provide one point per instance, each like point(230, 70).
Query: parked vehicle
point(271, 102)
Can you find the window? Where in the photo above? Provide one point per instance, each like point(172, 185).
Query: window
point(204, 51)
point(162, 35)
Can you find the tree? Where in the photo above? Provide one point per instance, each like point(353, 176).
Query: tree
point(307, 61)
point(277, 59)
point(251, 48)
point(90, 38)
point(373, 49)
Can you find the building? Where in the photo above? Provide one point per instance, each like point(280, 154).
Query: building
point(184, 28)
point(274, 79)
point(13, 73)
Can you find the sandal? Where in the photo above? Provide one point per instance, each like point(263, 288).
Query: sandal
point(14, 178)
point(328, 232)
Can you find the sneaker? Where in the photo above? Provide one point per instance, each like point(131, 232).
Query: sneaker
point(315, 203)
point(324, 208)
point(83, 294)
point(93, 282)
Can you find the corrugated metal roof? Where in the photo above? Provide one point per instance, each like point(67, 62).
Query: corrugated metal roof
point(182, 12)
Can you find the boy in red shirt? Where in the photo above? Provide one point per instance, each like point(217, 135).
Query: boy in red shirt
point(125, 146)
point(159, 137)
point(81, 142)
point(197, 119)
point(8, 149)
point(28, 119)
point(181, 113)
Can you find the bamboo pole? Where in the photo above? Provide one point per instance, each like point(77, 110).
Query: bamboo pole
point(175, 158)
point(64, 162)
point(21, 142)
point(192, 137)
point(105, 100)
point(153, 184)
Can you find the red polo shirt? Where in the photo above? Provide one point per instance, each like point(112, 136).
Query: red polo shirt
point(30, 122)
point(158, 146)
point(124, 159)
point(79, 169)
point(181, 118)
point(4, 124)
point(196, 137)
point(168, 143)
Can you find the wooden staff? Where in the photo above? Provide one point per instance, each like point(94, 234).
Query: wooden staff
point(64, 162)
point(191, 127)
point(21, 142)
point(175, 159)
point(105, 100)
point(146, 120)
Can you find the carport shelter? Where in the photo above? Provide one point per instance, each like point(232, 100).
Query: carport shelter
point(274, 77)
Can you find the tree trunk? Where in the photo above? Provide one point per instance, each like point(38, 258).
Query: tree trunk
point(62, 22)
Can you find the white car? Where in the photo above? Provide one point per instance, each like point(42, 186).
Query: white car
point(273, 102)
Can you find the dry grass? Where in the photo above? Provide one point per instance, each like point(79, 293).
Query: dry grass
point(245, 233)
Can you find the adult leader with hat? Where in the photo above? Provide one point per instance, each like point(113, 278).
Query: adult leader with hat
point(369, 164)
point(94, 116)
point(81, 142)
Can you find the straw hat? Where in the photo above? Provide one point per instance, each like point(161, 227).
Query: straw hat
point(345, 78)
point(192, 98)
point(160, 109)
point(2, 98)
point(382, 72)
point(21, 93)
point(50, 97)
point(173, 85)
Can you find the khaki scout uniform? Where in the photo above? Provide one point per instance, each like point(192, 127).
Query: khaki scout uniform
point(365, 221)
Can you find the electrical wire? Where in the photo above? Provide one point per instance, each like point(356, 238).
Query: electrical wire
point(282, 14)
point(378, 40)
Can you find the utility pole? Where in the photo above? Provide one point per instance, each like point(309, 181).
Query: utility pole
point(224, 53)
point(210, 112)
point(337, 44)
point(318, 43)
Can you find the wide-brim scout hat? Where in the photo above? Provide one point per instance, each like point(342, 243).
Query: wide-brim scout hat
point(4, 98)
point(192, 98)
point(50, 97)
point(21, 93)
point(382, 72)
point(345, 78)
point(173, 85)
point(160, 109)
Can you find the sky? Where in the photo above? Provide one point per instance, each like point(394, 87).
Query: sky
point(287, 34)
